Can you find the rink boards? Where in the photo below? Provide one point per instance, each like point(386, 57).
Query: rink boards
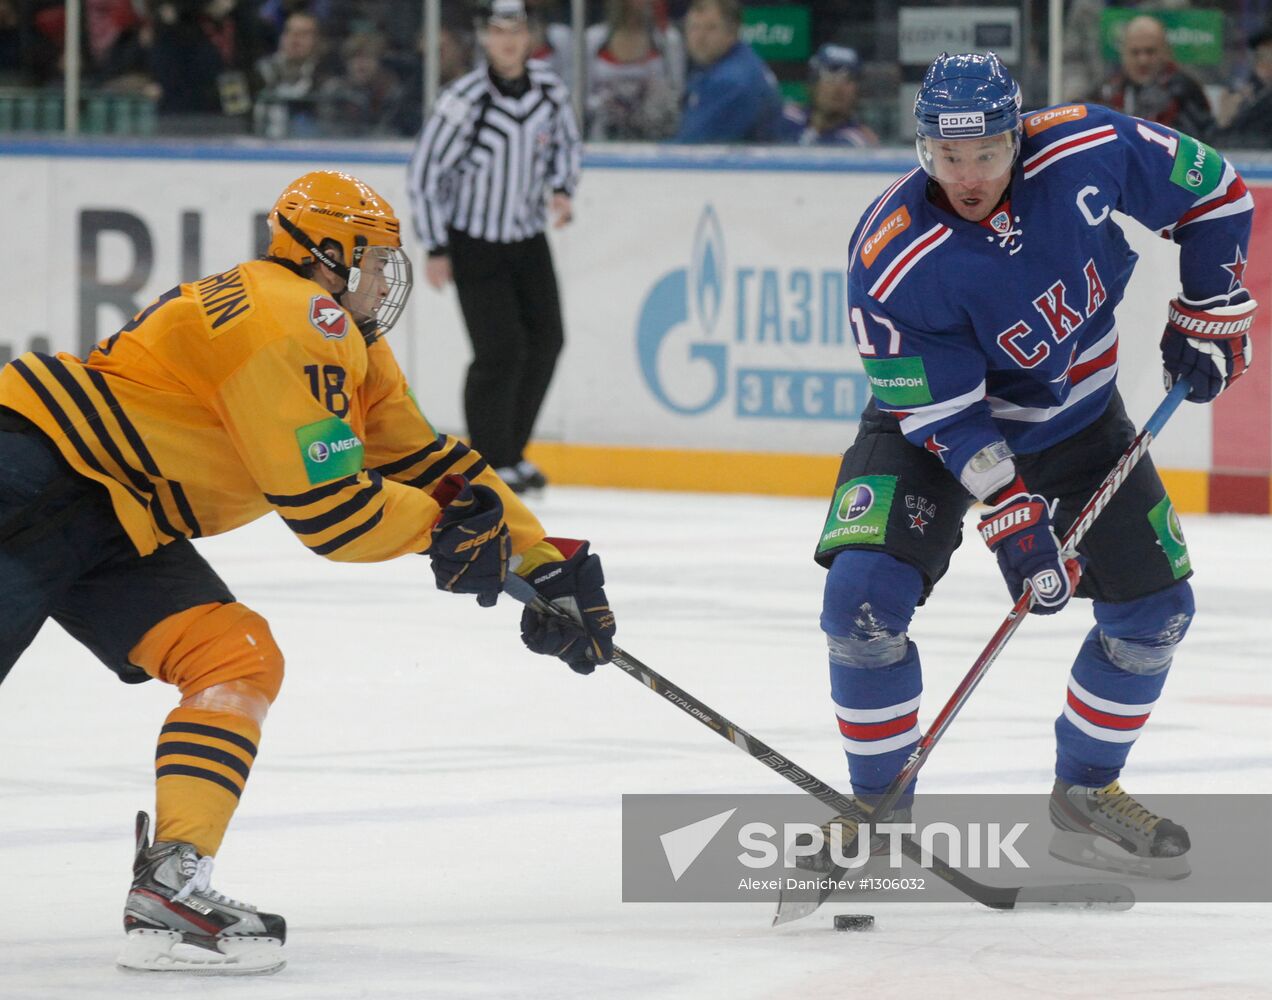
point(707, 342)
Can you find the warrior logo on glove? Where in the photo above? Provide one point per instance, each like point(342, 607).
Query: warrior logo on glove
point(1207, 348)
point(1017, 528)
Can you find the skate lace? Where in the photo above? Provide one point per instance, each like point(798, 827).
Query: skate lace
point(198, 879)
point(1122, 806)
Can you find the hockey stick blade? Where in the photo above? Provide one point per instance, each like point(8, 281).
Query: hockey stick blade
point(995, 897)
point(788, 912)
point(1089, 896)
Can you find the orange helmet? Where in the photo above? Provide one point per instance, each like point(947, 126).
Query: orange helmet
point(328, 205)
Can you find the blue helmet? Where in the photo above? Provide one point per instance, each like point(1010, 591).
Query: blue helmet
point(965, 97)
point(832, 58)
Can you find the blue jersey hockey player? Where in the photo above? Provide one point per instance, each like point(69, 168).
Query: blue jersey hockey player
point(981, 292)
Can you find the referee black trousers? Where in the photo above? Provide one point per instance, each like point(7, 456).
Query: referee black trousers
point(508, 294)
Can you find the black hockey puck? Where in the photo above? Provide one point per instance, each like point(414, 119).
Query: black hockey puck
point(853, 921)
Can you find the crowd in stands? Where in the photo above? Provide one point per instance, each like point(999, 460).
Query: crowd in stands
point(655, 70)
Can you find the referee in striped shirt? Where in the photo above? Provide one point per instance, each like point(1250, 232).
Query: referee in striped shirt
point(498, 139)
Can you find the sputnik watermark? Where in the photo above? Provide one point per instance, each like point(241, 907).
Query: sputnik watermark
point(741, 848)
point(969, 845)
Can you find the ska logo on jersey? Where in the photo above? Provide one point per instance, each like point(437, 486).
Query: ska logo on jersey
point(921, 511)
point(328, 318)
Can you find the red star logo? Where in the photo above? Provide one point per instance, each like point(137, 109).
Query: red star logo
point(916, 521)
point(1236, 269)
point(935, 447)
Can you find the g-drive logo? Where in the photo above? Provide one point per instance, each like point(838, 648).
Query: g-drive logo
point(966, 845)
point(707, 329)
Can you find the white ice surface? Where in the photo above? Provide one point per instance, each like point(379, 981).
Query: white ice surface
point(437, 812)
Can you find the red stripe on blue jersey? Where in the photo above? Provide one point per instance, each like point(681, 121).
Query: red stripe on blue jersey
point(1088, 368)
point(883, 287)
point(1236, 191)
point(868, 226)
point(1047, 154)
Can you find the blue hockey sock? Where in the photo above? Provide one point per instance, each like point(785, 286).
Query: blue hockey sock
point(878, 711)
point(1105, 710)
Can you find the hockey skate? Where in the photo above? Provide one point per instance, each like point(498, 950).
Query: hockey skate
point(176, 923)
point(1108, 829)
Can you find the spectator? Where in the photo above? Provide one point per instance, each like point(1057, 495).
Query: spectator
point(10, 44)
point(1250, 126)
point(1150, 85)
point(274, 14)
point(114, 50)
point(831, 117)
point(201, 55)
point(454, 59)
point(290, 80)
point(635, 73)
point(550, 41)
point(112, 46)
point(364, 99)
point(732, 96)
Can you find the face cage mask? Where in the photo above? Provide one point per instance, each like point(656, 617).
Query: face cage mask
point(376, 298)
point(379, 283)
point(977, 167)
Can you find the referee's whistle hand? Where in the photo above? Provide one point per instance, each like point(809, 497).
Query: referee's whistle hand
point(437, 272)
point(562, 210)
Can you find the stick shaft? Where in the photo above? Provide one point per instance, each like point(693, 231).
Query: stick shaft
point(998, 897)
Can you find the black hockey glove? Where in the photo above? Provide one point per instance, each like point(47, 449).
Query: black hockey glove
point(471, 545)
point(577, 586)
point(1017, 528)
point(1207, 348)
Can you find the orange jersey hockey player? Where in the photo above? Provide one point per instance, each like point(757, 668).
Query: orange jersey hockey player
point(266, 387)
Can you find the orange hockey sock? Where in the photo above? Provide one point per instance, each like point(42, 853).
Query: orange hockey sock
point(201, 765)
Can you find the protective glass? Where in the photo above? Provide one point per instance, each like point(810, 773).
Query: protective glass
point(380, 282)
point(968, 161)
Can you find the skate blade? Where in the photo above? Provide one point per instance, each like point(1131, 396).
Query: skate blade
point(165, 951)
point(1090, 851)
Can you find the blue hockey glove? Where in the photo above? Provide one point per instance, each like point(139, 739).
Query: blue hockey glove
point(471, 545)
point(1017, 528)
point(1207, 348)
point(577, 586)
